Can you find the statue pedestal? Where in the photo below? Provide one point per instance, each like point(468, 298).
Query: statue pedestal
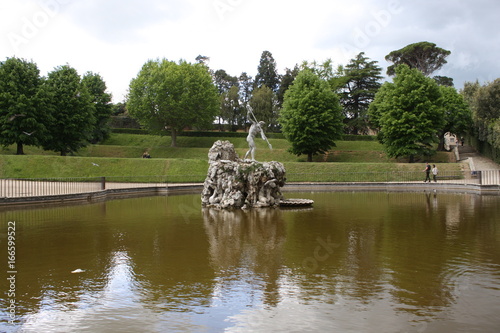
point(235, 183)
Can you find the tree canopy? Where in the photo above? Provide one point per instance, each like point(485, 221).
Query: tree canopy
point(444, 80)
point(71, 109)
point(22, 121)
point(487, 101)
point(424, 56)
point(264, 105)
point(102, 105)
point(267, 73)
point(484, 100)
point(311, 117)
point(362, 80)
point(409, 114)
point(246, 87)
point(169, 95)
point(231, 110)
point(224, 81)
point(456, 113)
point(286, 81)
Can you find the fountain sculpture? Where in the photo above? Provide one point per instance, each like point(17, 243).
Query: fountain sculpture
point(235, 183)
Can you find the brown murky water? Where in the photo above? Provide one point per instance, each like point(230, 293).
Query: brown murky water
point(355, 262)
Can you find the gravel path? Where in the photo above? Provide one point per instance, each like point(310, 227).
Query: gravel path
point(476, 160)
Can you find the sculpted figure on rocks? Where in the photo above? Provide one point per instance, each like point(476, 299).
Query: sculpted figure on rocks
point(235, 183)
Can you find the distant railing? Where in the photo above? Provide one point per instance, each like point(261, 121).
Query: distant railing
point(32, 187)
point(12, 188)
point(381, 177)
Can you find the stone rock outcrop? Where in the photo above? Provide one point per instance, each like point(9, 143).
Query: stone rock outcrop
point(235, 183)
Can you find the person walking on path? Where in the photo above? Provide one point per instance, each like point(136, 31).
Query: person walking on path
point(434, 172)
point(427, 171)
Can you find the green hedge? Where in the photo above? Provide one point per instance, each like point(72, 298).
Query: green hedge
point(352, 137)
point(227, 134)
point(198, 133)
point(123, 122)
point(212, 134)
point(129, 131)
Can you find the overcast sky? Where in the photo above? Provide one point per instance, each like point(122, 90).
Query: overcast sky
point(116, 37)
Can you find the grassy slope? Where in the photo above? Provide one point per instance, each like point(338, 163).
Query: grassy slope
point(126, 145)
point(120, 156)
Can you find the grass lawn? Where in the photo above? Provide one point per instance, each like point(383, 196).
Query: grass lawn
point(188, 170)
point(120, 156)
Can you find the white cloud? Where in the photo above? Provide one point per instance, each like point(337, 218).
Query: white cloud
point(114, 38)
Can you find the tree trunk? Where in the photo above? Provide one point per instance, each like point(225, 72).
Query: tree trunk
point(174, 138)
point(63, 152)
point(309, 157)
point(20, 150)
point(412, 159)
point(440, 146)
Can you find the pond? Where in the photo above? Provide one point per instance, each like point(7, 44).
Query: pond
point(354, 262)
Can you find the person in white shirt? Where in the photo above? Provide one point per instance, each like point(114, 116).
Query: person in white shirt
point(434, 172)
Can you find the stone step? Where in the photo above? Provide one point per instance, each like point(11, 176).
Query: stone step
point(466, 150)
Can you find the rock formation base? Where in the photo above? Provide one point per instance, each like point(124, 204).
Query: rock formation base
point(235, 183)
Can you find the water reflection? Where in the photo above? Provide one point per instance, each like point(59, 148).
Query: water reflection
point(88, 307)
point(393, 262)
point(246, 244)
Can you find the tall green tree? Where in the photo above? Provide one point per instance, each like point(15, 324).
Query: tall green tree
point(231, 110)
point(311, 117)
point(326, 71)
point(246, 88)
point(444, 80)
point(457, 114)
point(424, 56)
point(267, 73)
point(264, 106)
point(469, 93)
point(487, 101)
point(167, 95)
point(224, 81)
point(119, 108)
point(286, 81)
point(72, 111)
point(485, 104)
point(409, 114)
point(102, 105)
point(362, 81)
point(22, 119)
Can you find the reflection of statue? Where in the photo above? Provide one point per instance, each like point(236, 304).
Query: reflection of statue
point(250, 239)
point(255, 128)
